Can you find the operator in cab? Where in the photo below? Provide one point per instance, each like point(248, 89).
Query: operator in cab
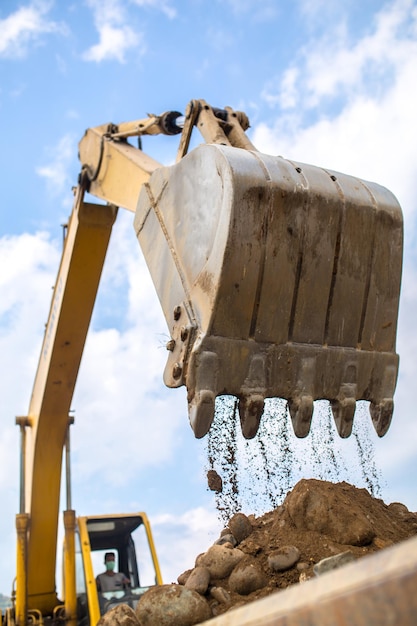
point(111, 580)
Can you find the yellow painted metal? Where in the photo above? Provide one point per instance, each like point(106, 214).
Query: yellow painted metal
point(35, 618)
point(116, 169)
point(155, 561)
point(121, 170)
point(230, 132)
point(73, 299)
point(22, 523)
point(70, 595)
point(90, 580)
point(9, 617)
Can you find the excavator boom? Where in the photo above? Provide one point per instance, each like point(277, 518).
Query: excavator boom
point(72, 304)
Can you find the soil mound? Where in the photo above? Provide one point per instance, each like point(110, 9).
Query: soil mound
point(317, 520)
point(320, 526)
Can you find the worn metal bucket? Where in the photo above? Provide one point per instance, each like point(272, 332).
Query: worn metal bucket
point(277, 279)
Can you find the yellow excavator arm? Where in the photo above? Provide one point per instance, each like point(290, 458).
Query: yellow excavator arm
point(276, 279)
point(113, 170)
point(85, 247)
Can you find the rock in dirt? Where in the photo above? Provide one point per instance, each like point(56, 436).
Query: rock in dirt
point(220, 594)
point(247, 577)
point(284, 558)
point(121, 615)
point(226, 538)
point(199, 580)
point(220, 560)
point(333, 562)
point(240, 526)
point(172, 605)
point(214, 481)
point(317, 520)
point(182, 578)
point(329, 511)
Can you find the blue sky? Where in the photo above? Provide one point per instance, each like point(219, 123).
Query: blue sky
point(323, 82)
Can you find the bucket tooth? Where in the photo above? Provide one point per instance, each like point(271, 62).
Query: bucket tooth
point(201, 412)
point(301, 411)
point(201, 393)
point(251, 409)
point(381, 414)
point(343, 413)
point(252, 396)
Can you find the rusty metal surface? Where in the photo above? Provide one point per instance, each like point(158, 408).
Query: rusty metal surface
point(378, 590)
point(277, 279)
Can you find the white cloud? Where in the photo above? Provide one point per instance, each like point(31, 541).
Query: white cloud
point(31, 262)
point(57, 172)
point(286, 95)
point(180, 539)
point(334, 64)
point(123, 412)
point(219, 39)
point(29, 268)
point(113, 44)
point(373, 134)
point(116, 37)
point(118, 363)
point(24, 27)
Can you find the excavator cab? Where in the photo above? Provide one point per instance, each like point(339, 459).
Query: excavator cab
point(129, 537)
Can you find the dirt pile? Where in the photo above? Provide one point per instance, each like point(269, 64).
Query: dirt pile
point(320, 525)
point(317, 520)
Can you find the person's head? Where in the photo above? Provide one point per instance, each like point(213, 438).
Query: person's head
point(109, 561)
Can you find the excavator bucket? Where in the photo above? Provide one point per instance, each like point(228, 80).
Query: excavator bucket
point(277, 279)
